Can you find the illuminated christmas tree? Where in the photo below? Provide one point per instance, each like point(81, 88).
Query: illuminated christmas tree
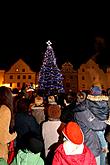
point(50, 79)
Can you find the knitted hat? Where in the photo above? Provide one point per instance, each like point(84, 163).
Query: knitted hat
point(38, 100)
point(51, 99)
point(73, 132)
point(96, 90)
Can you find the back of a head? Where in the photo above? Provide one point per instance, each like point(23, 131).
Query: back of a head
point(38, 100)
point(54, 111)
point(69, 98)
point(22, 105)
point(32, 143)
point(51, 99)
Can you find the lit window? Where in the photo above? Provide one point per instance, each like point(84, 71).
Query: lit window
point(17, 69)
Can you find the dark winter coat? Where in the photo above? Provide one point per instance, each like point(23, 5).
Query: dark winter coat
point(88, 123)
point(25, 123)
point(98, 105)
point(86, 158)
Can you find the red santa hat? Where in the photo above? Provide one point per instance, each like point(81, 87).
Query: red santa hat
point(73, 132)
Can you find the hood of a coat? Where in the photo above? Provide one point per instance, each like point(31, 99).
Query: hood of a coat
point(78, 159)
point(27, 158)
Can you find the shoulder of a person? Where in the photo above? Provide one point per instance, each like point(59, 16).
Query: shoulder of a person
point(4, 108)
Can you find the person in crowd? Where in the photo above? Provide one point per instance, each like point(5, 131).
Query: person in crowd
point(89, 124)
point(73, 150)
point(98, 105)
point(107, 131)
point(6, 113)
point(49, 131)
point(38, 109)
point(25, 122)
point(69, 104)
point(30, 151)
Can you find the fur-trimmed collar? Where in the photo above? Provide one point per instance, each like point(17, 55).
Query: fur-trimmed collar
point(97, 98)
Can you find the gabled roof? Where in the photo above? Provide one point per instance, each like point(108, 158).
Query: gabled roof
point(18, 64)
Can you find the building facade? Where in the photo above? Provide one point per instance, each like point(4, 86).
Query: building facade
point(74, 80)
point(70, 77)
point(90, 73)
point(19, 73)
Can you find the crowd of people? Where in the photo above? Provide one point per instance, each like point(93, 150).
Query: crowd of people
point(68, 129)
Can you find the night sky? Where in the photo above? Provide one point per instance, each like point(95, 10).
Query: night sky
point(26, 28)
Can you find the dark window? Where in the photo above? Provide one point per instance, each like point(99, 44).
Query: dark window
point(29, 76)
point(18, 84)
point(83, 78)
point(83, 70)
point(10, 84)
point(24, 76)
point(93, 78)
point(11, 76)
point(71, 77)
point(23, 70)
point(18, 77)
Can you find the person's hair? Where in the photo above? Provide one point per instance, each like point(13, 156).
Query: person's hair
point(31, 142)
point(6, 98)
point(22, 105)
point(70, 97)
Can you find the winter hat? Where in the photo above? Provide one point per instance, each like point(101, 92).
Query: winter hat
point(38, 100)
point(51, 100)
point(96, 90)
point(73, 132)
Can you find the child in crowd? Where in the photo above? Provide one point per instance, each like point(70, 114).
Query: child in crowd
point(30, 151)
point(73, 150)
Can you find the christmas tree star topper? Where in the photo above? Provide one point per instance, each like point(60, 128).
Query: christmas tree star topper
point(48, 43)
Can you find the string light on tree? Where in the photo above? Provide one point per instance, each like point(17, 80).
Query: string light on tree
point(50, 79)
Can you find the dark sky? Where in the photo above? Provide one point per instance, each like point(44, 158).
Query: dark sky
point(25, 28)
